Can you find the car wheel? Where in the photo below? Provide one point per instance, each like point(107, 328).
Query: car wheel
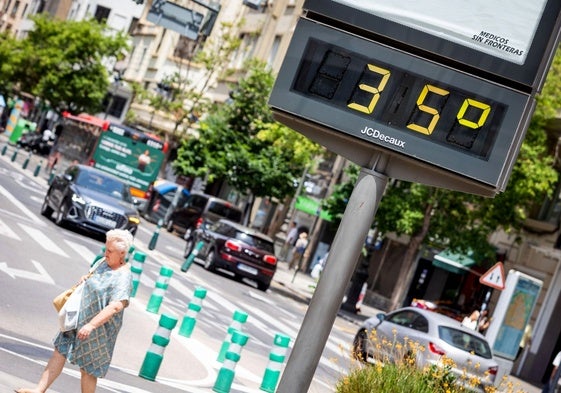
point(46, 210)
point(61, 214)
point(263, 286)
point(359, 346)
point(209, 261)
point(169, 225)
point(189, 246)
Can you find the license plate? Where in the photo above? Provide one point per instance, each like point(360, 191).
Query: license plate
point(247, 269)
point(105, 222)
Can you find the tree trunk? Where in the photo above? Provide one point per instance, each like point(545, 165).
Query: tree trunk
point(410, 262)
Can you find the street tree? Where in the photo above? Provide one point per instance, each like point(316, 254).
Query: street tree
point(241, 142)
point(62, 62)
point(463, 222)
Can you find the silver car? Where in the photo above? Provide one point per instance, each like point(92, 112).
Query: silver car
point(429, 338)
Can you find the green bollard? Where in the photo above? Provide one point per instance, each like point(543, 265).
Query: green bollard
point(191, 257)
point(227, 373)
point(136, 269)
point(15, 154)
point(155, 354)
point(154, 240)
point(190, 318)
point(276, 359)
point(158, 293)
point(26, 162)
point(37, 169)
point(4, 149)
point(238, 319)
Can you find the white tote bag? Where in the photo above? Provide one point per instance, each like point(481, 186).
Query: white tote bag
point(68, 314)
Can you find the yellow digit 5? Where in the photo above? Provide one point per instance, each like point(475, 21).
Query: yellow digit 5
point(427, 109)
point(374, 90)
point(485, 109)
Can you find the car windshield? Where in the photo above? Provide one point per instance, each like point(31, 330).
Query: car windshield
point(225, 211)
point(256, 242)
point(104, 185)
point(465, 341)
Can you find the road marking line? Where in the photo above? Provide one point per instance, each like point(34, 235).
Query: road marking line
point(81, 250)
point(20, 206)
point(5, 230)
point(43, 240)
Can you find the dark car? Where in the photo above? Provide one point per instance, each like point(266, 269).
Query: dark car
point(91, 199)
point(239, 249)
point(197, 208)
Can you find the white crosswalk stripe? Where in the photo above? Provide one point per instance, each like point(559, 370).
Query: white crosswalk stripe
point(81, 250)
point(43, 240)
point(5, 230)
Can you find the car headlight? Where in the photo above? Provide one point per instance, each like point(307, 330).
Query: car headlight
point(78, 199)
point(134, 219)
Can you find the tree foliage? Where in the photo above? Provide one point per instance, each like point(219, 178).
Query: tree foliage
point(241, 142)
point(463, 222)
point(61, 62)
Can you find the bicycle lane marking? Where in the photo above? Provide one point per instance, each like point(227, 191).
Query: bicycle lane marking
point(21, 207)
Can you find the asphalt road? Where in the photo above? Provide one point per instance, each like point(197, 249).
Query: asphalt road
point(39, 259)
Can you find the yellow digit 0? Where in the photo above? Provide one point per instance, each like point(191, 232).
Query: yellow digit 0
point(375, 90)
point(427, 109)
point(485, 110)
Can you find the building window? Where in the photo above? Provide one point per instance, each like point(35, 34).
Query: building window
point(185, 48)
point(41, 7)
point(102, 14)
point(132, 27)
point(15, 9)
point(549, 210)
point(274, 50)
point(114, 104)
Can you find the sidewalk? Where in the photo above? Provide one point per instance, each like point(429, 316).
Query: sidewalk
point(301, 287)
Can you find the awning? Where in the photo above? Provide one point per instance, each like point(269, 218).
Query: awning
point(163, 187)
point(452, 262)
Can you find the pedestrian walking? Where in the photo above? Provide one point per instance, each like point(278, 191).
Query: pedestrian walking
point(470, 321)
point(298, 250)
point(290, 240)
point(105, 295)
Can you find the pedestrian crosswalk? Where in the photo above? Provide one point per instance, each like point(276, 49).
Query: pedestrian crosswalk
point(23, 232)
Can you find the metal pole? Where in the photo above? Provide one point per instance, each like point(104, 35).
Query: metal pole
point(329, 293)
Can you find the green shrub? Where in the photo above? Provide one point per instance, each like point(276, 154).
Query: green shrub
point(403, 376)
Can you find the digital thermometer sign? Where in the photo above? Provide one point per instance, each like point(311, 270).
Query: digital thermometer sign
point(387, 97)
point(410, 86)
point(388, 101)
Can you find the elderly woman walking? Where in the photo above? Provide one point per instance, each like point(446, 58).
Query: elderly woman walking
point(90, 346)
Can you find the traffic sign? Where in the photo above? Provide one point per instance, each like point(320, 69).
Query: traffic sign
point(494, 277)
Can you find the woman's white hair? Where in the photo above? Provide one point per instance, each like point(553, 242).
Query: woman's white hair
point(121, 238)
